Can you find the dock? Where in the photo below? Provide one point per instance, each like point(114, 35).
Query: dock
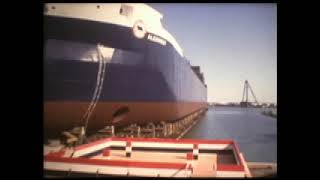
point(262, 169)
point(148, 157)
point(173, 153)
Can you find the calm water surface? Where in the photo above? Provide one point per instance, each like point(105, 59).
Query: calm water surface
point(255, 133)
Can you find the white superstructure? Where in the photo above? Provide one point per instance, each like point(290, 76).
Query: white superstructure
point(120, 14)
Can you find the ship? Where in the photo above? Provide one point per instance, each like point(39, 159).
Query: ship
point(114, 64)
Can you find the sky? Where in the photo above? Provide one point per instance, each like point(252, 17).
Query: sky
point(231, 43)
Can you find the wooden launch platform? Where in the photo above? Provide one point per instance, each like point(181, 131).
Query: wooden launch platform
point(151, 157)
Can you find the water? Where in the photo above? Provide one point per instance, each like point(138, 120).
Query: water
point(255, 133)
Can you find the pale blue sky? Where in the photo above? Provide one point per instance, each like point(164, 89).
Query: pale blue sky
point(231, 43)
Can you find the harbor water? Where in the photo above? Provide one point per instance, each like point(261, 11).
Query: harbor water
point(255, 133)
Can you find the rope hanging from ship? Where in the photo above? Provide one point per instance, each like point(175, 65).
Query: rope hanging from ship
point(139, 31)
point(98, 89)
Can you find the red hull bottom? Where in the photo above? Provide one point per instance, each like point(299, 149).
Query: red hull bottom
point(60, 116)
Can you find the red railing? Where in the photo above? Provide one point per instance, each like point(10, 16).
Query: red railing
point(116, 162)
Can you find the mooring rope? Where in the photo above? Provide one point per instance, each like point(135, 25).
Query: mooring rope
point(98, 88)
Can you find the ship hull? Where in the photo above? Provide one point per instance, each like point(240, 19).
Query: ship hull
point(150, 79)
point(140, 113)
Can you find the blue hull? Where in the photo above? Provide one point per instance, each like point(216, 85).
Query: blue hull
point(150, 72)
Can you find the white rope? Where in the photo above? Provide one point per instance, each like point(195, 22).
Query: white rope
point(98, 88)
point(95, 90)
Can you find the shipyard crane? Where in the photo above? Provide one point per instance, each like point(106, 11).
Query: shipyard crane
point(245, 102)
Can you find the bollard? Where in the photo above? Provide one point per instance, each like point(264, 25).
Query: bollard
point(189, 156)
point(106, 152)
point(195, 151)
point(128, 149)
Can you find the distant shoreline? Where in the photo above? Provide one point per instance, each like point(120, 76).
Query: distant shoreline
point(235, 106)
point(271, 112)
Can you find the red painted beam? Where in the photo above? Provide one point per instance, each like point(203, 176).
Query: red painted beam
point(180, 141)
point(92, 144)
point(116, 163)
point(224, 167)
point(56, 154)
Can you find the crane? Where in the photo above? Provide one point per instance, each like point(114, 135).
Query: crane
point(245, 102)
